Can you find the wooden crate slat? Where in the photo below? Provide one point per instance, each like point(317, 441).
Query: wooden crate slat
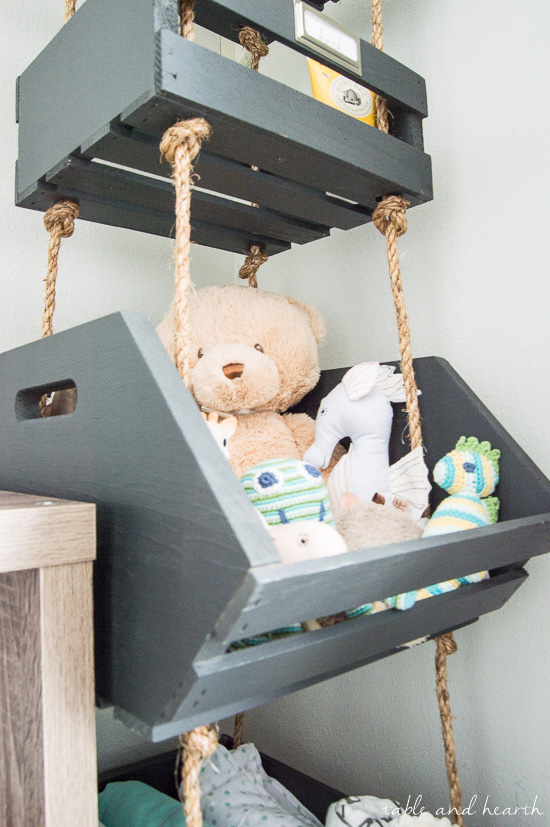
point(128, 147)
point(317, 146)
point(260, 674)
point(103, 210)
point(374, 574)
point(105, 181)
point(380, 72)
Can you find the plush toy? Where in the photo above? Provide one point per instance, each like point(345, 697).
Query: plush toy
point(222, 429)
point(292, 499)
point(253, 354)
point(469, 474)
point(360, 408)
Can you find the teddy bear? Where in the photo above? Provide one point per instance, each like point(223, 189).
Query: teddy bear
point(253, 355)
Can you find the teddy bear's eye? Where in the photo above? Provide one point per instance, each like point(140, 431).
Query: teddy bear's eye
point(200, 353)
point(259, 347)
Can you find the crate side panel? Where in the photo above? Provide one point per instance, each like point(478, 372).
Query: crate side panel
point(449, 410)
point(169, 557)
point(289, 594)
point(100, 61)
point(258, 675)
point(357, 162)
point(380, 72)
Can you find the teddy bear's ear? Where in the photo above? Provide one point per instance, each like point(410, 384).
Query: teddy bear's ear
point(315, 319)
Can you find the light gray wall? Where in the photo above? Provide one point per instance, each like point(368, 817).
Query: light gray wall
point(474, 268)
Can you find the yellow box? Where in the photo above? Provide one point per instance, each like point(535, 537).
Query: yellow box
point(341, 93)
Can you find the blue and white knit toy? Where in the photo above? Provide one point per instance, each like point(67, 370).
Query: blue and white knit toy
point(288, 491)
point(469, 473)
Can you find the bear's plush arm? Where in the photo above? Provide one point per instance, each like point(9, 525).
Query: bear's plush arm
point(302, 427)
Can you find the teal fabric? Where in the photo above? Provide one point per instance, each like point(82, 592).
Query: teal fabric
point(134, 804)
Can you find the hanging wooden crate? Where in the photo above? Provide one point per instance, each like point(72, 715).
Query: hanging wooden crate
point(184, 566)
point(118, 75)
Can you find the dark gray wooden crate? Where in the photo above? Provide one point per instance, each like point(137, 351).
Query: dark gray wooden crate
point(184, 566)
point(131, 76)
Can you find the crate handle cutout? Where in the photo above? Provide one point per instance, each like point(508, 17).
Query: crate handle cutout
point(61, 396)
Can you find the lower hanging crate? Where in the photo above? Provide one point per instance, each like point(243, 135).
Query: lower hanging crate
point(184, 566)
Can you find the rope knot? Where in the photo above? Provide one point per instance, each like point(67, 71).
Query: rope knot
point(391, 212)
point(449, 644)
point(252, 263)
point(253, 42)
point(202, 741)
point(60, 218)
point(187, 134)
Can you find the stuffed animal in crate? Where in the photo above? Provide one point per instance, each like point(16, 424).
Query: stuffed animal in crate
point(294, 504)
point(254, 354)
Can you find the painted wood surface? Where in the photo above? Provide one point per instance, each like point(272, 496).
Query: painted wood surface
point(132, 69)
point(176, 531)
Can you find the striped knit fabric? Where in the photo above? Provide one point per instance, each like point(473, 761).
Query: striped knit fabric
point(461, 511)
point(287, 491)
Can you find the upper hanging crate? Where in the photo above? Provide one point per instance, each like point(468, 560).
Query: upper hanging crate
point(184, 566)
point(118, 75)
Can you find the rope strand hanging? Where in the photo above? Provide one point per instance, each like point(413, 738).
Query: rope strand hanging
point(59, 221)
point(253, 42)
point(390, 219)
point(180, 145)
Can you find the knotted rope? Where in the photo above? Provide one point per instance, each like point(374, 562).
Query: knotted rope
point(197, 745)
point(252, 263)
point(390, 218)
point(180, 145)
point(59, 221)
point(253, 42)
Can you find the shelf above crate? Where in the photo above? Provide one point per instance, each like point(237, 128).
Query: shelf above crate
point(95, 140)
point(184, 567)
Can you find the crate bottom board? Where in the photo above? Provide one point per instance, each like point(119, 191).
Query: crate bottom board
point(248, 678)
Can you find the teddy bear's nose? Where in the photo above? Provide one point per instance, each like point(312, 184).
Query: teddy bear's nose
point(233, 370)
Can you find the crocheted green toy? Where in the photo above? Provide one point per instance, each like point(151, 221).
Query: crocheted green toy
point(469, 473)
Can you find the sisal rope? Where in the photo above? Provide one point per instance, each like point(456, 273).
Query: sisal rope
point(446, 645)
point(252, 263)
point(59, 221)
point(70, 8)
point(187, 19)
point(252, 41)
point(238, 732)
point(180, 145)
point(197, 745)
point(382, 112)
point(390, 218)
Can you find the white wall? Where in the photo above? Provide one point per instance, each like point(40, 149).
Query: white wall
point(474, 269)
